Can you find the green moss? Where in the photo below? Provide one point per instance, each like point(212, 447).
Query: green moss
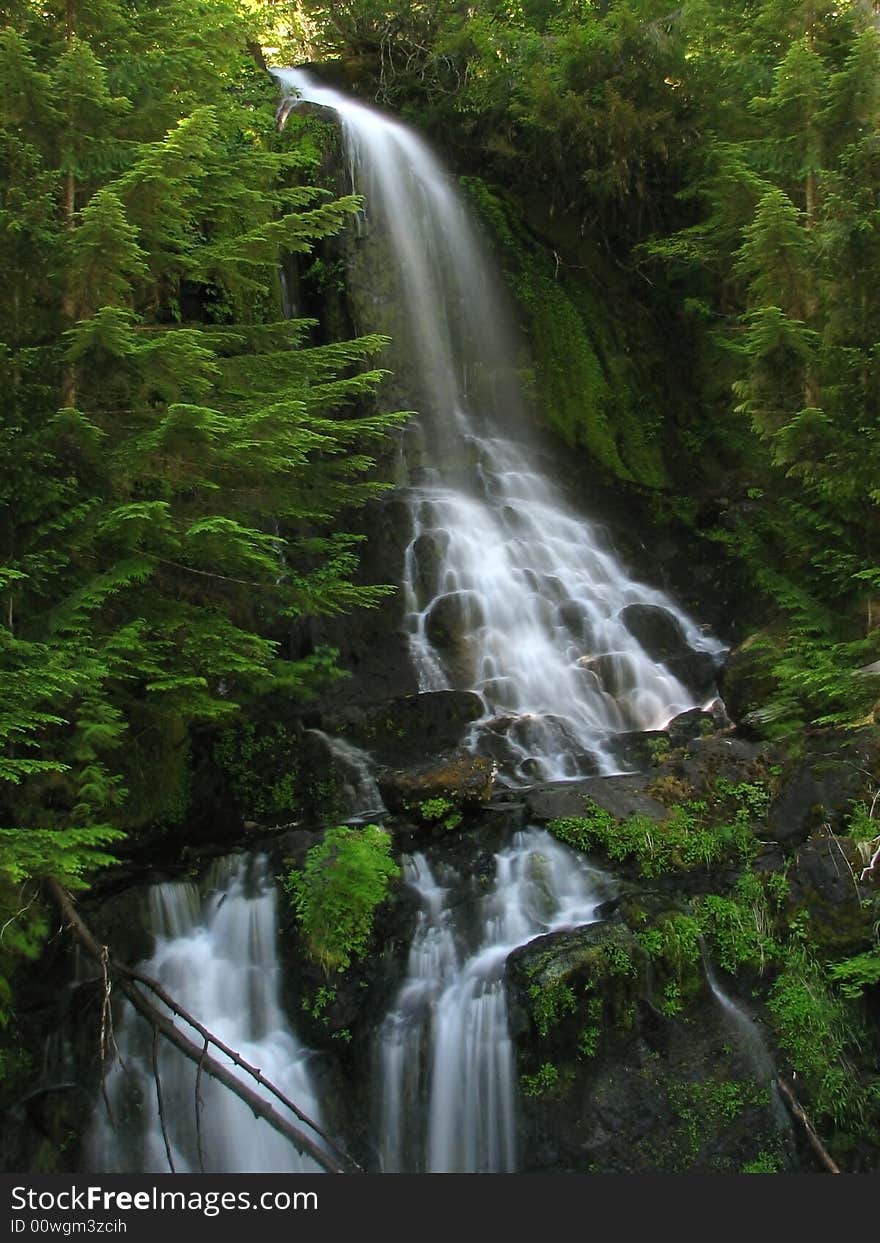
point(583, 380)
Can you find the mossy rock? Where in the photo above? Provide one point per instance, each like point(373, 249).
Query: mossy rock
point(746, 682)
point(462, 781)
point(614, 1078)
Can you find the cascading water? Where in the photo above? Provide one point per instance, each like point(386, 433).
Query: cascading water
point(355, 769)
point(444, 1062)
point(751, 1042)
point(215, 953)
point(507, 591)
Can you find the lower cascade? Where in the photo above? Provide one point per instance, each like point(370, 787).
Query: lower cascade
point(216, 954)
point(445, 1075)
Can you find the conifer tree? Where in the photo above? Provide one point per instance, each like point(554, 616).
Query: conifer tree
point(176, 451)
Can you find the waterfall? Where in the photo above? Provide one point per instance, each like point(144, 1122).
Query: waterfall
point(507, 591)
point(359, 790)
point(750, 1040)
point(215, 953)
point(444, 1062)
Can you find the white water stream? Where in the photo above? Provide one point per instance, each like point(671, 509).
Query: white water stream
point(446, 1084)
point(507, 590)
point(215, 954)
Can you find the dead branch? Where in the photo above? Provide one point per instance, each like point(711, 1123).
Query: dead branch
point(129, 981)
point(797, 1112)
point(199, 1146)
point(254, 1071)
point(159, 1104)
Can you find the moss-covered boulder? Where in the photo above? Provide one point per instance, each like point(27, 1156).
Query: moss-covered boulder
point(628, 1065)
point(438, 793)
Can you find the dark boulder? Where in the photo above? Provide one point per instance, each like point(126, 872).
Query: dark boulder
point(428, 552)
point(401, 732)
point(823, 880)
point(463, 781)
point(746, 682)
point(818, 791)
point(624, 1073)
point(720, 757)
point(639, 750)
point(662, 637)
point(697, 723)
point(622, 795)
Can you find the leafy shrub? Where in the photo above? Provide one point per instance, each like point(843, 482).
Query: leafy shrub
point(550, 1003)
point(545, 1079)
point(443, 809)
point(854, 975)
point(336, 894)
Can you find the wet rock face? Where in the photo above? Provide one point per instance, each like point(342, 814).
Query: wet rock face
point(624, 795)
point(617, 1079)
point(462, 781)
point(662, 637)
point(406, 730)
point(745, 682)
point(818, 791)
point(823, 881)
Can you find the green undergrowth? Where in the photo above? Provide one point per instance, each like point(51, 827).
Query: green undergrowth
point(696, 833)
point(336, 894)
point(757, 930)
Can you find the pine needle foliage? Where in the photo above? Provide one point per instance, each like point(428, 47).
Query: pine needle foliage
point(175, 451)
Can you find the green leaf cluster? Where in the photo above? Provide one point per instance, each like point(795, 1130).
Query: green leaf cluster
point(335, 895)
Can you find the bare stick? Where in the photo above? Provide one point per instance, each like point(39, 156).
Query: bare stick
point(797, 1111)
point(158, 1083)
point(106, 1017)
point(254, 1071)
point(199, 1107)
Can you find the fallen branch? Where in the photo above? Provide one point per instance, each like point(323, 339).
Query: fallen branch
point(797, 1111)
point(209, 1038)
point(129, 981)
point(199, 1146)
point(159, 1105)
